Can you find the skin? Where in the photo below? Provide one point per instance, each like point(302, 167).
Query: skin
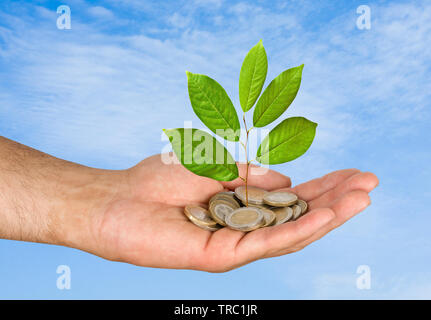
point(136, 215)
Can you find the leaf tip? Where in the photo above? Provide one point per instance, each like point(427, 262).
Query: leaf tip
point(260, 45)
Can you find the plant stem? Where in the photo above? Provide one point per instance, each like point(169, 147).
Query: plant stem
point(246, 159)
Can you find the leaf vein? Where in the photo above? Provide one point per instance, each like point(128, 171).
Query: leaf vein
point(213, 105)
point(278, 145)
point(276, 97)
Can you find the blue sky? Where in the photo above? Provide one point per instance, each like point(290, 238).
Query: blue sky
point(100, 93)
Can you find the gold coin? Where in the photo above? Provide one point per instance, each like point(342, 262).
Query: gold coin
point(219, 209)
point(303, 205)
point(296, 211)
point(282, 215)
point(255, 194)
point(245, 219)
point(280, 198)
point(199, 215)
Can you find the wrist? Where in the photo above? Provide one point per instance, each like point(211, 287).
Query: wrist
point(49, 200)
point(83, 197)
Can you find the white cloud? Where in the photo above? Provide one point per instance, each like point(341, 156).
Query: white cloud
point(102, 98)
point(242, 8)
point(179, 21)
point(101, 12)
point(91, 75)
point(208, 3)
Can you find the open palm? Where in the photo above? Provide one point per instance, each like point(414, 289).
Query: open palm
point(145, 225)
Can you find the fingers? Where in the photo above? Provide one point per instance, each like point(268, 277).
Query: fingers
point(314, 188)
point(349, 205)
point(345, 208)
point(267, 242)
point(259, 177)
point(219, 252)
point(333, 199)
point(312, 226)
point(365, 181)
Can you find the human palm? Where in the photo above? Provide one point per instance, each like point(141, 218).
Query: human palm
point(146, 225)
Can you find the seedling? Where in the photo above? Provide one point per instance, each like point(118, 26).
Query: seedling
point(203, 155)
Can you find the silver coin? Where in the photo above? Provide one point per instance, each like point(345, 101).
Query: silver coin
point(303, 205)
point(282, 215)
point(222, 194)
point(296, 211)
point(280, 198)
point(261, 206)
point(268, 216)
point(208, 228)
point(199, 215)
point(245, 219)
point(227, 196)
point(255, 194)
point(219, 209)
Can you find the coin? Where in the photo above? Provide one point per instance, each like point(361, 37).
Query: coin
point(219, 209)
point(264, 209)
point(220, 195)
point(282, 215)
point(245, 219)
point(199, 215)
point(268, 216)
point(296, 211)
point(280, 198)
point(303, 205)
point(209, 228)
point(227, 196)
point(255, 194)
point(262, 206)
point(239, 200)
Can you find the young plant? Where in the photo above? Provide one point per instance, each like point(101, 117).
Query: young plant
point(202, 154)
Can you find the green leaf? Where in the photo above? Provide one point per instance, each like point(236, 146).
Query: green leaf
point(212, 105)
point(287, 141)
point(277, 97)
point(202, 154)
point(252, 76)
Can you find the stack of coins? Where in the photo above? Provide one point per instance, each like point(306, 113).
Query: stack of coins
point(265, 209)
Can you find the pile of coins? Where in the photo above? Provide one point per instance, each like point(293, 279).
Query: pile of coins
point(228, 209)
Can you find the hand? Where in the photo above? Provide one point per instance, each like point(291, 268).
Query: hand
point(136, 215)
point(144, 223)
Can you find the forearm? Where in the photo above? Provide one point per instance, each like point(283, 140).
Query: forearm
point(46, 199)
